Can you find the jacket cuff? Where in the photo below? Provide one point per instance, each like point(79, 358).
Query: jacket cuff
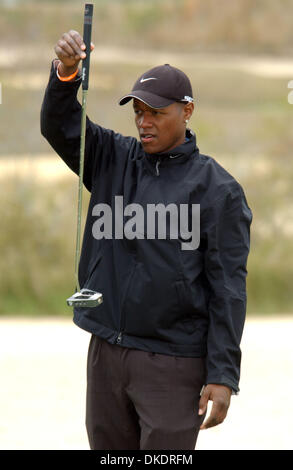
point(223, 380)
point(56, 83)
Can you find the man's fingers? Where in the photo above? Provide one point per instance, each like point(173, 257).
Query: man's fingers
point(74, 46)
point(70, 48)
point(211, 420)
point(61, 52)
point(203, 402)
point(217, 415)
point(220, 396)
point(65, 46)
point(76, 37)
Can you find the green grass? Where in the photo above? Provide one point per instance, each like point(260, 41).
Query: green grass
point(38, 243)
point(204, 25)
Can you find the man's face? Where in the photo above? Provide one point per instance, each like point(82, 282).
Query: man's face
point(162, 129)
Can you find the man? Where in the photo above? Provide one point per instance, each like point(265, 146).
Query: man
point(174, 306)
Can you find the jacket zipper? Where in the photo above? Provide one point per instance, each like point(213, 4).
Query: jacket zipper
point(159, 160)
point(119, 337)
point(157, 166)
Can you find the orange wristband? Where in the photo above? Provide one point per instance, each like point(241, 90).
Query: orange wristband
point(68, 78)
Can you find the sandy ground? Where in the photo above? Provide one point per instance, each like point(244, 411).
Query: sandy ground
point(259, 65)
point(42, 393)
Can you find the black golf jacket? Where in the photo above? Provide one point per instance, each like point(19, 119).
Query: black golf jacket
point(158, 296)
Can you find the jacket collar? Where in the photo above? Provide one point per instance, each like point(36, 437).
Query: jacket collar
point(177, 155)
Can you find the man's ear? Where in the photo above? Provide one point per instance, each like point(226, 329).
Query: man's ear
point(188, 110)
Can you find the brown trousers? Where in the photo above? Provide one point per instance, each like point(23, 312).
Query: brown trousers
point(141, 400)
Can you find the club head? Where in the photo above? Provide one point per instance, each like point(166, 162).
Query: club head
point(85, 298)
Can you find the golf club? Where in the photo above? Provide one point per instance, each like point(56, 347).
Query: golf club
point(83, 297)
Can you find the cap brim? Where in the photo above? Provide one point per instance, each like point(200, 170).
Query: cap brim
point(154, 101)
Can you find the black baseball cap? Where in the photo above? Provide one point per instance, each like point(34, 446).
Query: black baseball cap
point(161, 86)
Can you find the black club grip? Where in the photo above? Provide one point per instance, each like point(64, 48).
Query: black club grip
point(87, 34)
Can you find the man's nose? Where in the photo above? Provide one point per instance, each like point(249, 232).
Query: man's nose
point(144, 121)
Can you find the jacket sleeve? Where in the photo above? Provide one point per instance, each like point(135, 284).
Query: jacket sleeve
point(61, 123)
point(228, 241)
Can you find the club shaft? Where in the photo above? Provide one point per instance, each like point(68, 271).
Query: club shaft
point(80, 184)
point(87, 32)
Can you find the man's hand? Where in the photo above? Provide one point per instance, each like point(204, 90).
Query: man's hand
point(220, 396)
point(70, 49)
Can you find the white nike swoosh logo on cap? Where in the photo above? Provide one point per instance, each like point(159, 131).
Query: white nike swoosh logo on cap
point(146, 79)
